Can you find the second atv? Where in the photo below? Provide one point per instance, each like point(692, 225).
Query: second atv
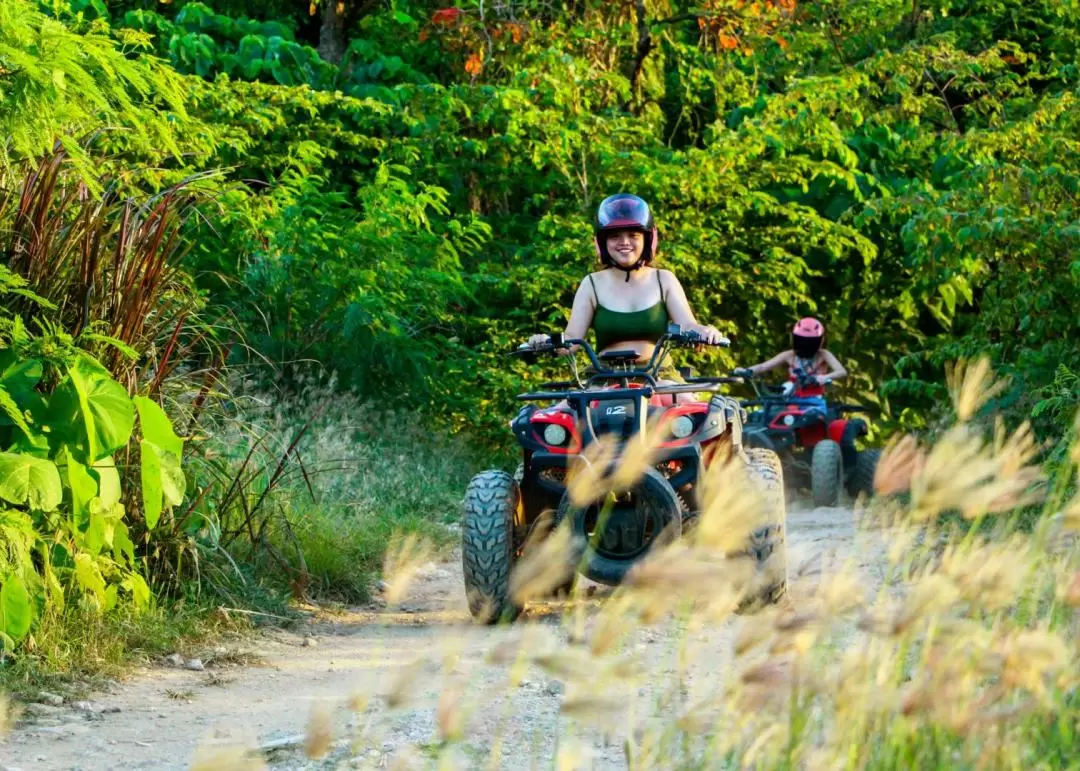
point(818, 447)
point(620, 399)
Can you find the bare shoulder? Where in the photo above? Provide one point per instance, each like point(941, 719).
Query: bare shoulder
point(587, 287)
point(668, 279)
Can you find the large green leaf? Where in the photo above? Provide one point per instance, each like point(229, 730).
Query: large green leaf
point(93, 411)
point(29, 481)
point(17, 375)
point(16, 610)
point(11, 414)
point(140, 592)
point(108, 482)
point(84, 488)
point(156, 426)
point(89, 577)
point(101, 529)
point(17, 380)
point(123, 548)
point(162, 481)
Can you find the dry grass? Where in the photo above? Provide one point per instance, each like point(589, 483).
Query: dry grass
point(967, 658)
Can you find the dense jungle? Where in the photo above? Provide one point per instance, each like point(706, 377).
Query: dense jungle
point(261, 265)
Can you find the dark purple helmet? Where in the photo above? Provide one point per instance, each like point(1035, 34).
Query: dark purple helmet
point(624, 211)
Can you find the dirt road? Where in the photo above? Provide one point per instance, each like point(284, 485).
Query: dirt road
point(159, 717)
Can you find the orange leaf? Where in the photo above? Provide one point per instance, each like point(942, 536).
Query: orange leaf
point(446, 16)
point(474, 64)
point(728, 42)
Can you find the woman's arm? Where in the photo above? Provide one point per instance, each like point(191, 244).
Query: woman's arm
point(784, 357)
point(582, 312)
point(836, 369)
point(581, 316)
point(678, 308)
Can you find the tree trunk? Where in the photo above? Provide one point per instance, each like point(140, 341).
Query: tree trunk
point(332, 38)
point(644, 46)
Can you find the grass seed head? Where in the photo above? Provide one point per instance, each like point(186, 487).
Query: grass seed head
point(404, 558)
point(587, 481)
point(320, 732)
point(971, 386)
point(732, 507)
point(450, 718)
point(8, 715)
point(637, 456)
point(1070, 592)
point(402, 685)
point(602, 709)
point(233, 758)
point(544, 567)
point(901, 460)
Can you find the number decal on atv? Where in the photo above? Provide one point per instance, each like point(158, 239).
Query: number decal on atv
point(618, 409)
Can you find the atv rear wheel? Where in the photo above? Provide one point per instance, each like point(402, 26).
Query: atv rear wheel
point(768, 544)
point(826, 473)
point(487, 545)
point(606, 557)
point(862, 478)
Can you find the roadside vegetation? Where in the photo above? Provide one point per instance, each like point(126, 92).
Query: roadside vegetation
point(257, 273)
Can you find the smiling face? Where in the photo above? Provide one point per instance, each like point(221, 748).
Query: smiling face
point(626, 246)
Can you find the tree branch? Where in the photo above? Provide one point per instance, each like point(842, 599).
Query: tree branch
point(644, 46)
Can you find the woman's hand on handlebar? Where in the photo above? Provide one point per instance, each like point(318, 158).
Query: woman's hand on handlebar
point(709, 334)
point(539, 341)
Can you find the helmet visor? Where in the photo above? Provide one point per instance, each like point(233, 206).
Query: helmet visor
point(624, 213)
point(805, 347)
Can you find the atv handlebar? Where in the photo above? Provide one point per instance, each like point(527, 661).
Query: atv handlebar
point(780, 393)
point(675, 337)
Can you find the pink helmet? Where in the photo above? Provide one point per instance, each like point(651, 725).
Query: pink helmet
point(807, 337)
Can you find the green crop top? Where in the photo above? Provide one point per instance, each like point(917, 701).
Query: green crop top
point(612, 327)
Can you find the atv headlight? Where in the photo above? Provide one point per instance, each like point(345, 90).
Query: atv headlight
point(682, 427)
point(554, 434)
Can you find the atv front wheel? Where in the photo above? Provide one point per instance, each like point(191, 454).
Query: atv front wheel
point(487, 545)
point(606, 544)
point(826, 473)
point(862, 478)
point(768, 543)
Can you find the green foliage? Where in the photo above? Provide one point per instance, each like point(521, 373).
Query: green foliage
point(307, 487)
point(201, 42)
point(59, 84)
point(66, 531)
point(907, 172)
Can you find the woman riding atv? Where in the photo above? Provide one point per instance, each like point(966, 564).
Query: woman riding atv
point(810, 366)
point(628, 303)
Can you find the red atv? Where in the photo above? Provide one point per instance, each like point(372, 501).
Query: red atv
point(813, 437)
point(621, 399)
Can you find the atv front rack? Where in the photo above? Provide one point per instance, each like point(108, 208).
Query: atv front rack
point(619, 394)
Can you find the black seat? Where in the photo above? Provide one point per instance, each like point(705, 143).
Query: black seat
point(619, 356)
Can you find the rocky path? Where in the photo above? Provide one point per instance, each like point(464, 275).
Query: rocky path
point(162, 716)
